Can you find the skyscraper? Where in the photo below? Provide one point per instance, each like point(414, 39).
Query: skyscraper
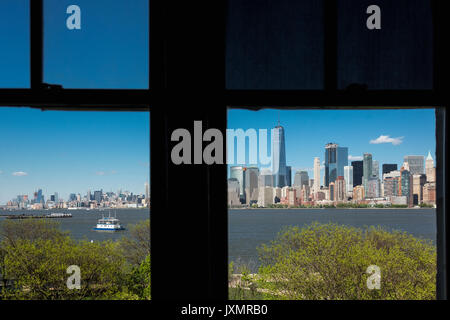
point(336, 158)
point(367, 170)
point(301, 178)
point(251, 184)
point(279, 157)
point(316, 174)
point(430, 169)
point(339, 189)
point(388, 167)
point(348, 177)
point(375, 169)
point(357, 172)
point(415, 164)
point(238, 172)
point(147, 191)
point(288, 176)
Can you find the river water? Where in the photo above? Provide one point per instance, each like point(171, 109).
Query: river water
point(83, 221)
point(249, 228)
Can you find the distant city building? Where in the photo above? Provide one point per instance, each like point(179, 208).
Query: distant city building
point(233, 192)
point(265, 196)
point(251, 184)
point(358, 193)
point(430, 168)
point(340, 193)
point(372, 188)
point(316, 174)
point(406, 187)
point(276, 195)
point(429, 193)
point(331, 195)
point(348, 177)
point(357, 172)
point(415, 164)
point(98, 196)
point(265, 178)
point(375, 169)
point(288, 176)
point(301, 178)
point(311, 184)
point(279, 157)
point(391, 182)
point(388, 167)
point(419, 181)
point(238, 172)
point(367, 171)
point(336, 158)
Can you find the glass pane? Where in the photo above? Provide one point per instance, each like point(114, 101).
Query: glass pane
point(81, 174)
point(110, 50)
point(14, 44)
point(274, 44)
point(397, 56)
point(316, 192)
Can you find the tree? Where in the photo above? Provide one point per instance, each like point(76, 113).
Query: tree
point(136, 247)
point(329, 261)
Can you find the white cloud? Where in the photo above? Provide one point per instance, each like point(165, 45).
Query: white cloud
point(355, 158)
point(19, 174)
point(1, 171)
point(100, 173)
point(387, 139)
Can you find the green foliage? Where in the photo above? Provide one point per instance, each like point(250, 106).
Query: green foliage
point(35, 255)
point(136, 246)
point(328, 261)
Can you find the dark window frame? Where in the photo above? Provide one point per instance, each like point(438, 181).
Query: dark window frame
point(167, 86)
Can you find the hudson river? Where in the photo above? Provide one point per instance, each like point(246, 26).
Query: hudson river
point(82, 221)
point(249, 228)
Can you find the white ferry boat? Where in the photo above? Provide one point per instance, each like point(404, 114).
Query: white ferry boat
point(108, 224)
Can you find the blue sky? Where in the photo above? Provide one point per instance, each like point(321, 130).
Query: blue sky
point(69, 152)
point(307, 132)
point(109, 51)
point(75, 151)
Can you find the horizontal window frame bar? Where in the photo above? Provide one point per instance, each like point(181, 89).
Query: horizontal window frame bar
point(292, 99)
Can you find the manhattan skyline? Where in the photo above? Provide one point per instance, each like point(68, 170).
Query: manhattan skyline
point(388, 134)
point(72, 152)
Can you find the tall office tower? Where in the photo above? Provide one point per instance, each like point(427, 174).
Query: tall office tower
point(265, 178)
point(72, 197)
point(52, 197)
point(372, 188)
point(56, 197)
point(357, 172)
point(98, 196)
point(233, 192)
point(38, 196)
point(348, 177)
point(88, 195)
point(310, 184)
point(251, 184)
point(288, 176)
point(388, 167)
point(391, 183)
point(238, 172)
point(430, 169)
point(339, 189)
point(279, 157)
point(147, 191)
point(415, 164)
point(331, 191)
point(316, 174)
point(336, 158)
point(375, 169)
point(301, 178)
point(406, 187)
point(418, 181)
point(367, 170)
